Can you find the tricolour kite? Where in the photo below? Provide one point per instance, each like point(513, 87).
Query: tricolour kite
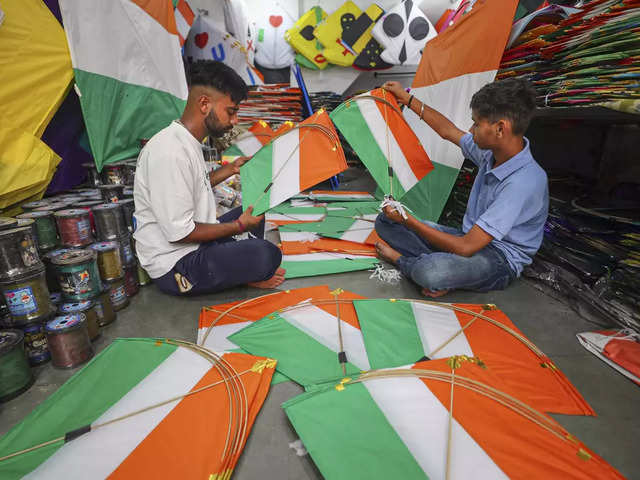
point(128, 71)
point(441, 419)
point(401, 332)
point(248, 143)
point(143, 408)
point(295, 160)
point(454, 66)
point(375, 128)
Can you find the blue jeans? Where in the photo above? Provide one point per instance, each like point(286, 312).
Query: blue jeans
point(222, 264)
point(436, 270)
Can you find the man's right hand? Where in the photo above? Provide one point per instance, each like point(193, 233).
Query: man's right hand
point(248, 220)
point(396, 88)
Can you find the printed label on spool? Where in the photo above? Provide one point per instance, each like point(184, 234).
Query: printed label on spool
point(21, 301)
point(118, 295)
point(35, 344)
point(84, 228)
point(128, 253)
point(99, 310)
point(76, 282)
point(28, 252)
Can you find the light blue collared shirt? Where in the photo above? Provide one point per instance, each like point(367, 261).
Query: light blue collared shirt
point(509, 202)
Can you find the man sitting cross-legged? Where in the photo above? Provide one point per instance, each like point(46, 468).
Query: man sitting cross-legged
point(503, 225)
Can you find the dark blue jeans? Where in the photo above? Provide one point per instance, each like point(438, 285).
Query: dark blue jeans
point(222, 264)
point(435, 270)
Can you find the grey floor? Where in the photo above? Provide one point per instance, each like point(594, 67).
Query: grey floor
point(614, 433)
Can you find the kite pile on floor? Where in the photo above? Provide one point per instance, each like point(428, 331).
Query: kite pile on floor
point(591, 259)
point(324, 232)
point(592, 57)
point(412, 388)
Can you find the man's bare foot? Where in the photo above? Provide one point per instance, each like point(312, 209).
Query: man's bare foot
point(385, 252)
point(432, 294)
point(272, 282)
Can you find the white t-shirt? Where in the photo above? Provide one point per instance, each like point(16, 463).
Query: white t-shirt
point(172, 190)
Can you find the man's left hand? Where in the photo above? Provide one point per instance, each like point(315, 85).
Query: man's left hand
point(237, 163)
point(393, 215)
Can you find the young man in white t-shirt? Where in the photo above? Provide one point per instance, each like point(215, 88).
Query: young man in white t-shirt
point(179, 240)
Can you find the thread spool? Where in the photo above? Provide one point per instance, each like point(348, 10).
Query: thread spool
point(114, 174)
point(130, 167)
point(30, 206)
point(36, 346)
point(128, 207)
point(30, 223)
point(27, 298)
point(15, 374)
point(92, 174)
point(117, 294)
point(68, 339)
point(74, 227)
point(47, 237)
point(52, 207)
point(5, 314)
point(110, 223)
point(8, 223)
point(127, 251)
point(128, 192)
point(111, 193)
point(88, 307)
point(52, 273)
point(109, 261)
point(78, 274)
point(88, 205)
point(56, 299)
point(143, 276)
point(104, 308)
point(131, 285)
point(18, 253)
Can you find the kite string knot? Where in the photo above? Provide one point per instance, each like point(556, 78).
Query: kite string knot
point(395, 204)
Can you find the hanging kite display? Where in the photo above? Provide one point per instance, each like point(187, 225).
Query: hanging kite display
point(375, 128)
point(272, 50)
point(346, 32)
point(120, 74)
point(403, 32)
point(184, 19)
point(303, 40)
point(236, 20)
point(448, 418)
point(289, 163)
point(207, 42)
point(152, 408)
point(457, 63)
point(401, 332)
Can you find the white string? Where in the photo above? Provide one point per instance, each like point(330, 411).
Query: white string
point(395, 204)
point(390, 276)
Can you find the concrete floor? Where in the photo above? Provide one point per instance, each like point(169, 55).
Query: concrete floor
point(549, 324)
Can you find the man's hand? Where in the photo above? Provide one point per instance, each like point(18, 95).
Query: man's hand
point(393, 215)
point(237, 163)
point(396, 88)
point(248, 220)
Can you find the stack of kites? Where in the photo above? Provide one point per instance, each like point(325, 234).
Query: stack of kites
point(409, 387)
point(593, 260)
point(590, 58)
point(276, 103)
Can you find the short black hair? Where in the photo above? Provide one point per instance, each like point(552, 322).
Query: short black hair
point(513, 99)
point(209, 73)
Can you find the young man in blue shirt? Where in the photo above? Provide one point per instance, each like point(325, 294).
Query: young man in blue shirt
point(503, 225)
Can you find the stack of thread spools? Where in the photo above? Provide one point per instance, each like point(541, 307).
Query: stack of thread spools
point(67, 265)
